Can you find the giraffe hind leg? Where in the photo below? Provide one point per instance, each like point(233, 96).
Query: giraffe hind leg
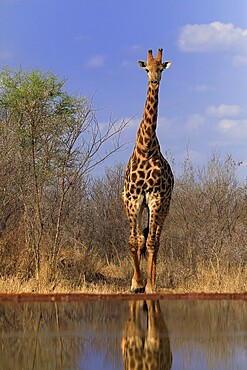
point(145, 234)
point(144, 247)
point(152, 248)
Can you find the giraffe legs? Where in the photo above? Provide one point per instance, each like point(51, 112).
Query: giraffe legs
point(136, 245)
point(152, 249)
point(136, 242)
point(157, 217)
point(138, 239)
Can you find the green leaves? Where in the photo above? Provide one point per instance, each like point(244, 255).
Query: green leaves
point(41, 115)
point(24, 91)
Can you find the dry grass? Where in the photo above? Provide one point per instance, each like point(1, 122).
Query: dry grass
point(17, 286)
point(113, 278)
point(209, 280)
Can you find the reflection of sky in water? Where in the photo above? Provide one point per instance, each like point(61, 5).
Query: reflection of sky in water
point(240, 358)
point(195, 357)
point(204, 335)
point(97, 360)
point(192, 359)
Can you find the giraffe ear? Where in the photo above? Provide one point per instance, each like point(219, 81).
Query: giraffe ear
point(166, 65)
point(142, 64)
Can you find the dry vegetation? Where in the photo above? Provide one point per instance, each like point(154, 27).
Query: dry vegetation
point(63, 230)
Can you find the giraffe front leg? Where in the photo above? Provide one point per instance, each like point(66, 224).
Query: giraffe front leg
point(151, 271)
point(136, 241)
point(137, 282)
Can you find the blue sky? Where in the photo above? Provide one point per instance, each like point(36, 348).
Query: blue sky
point(96, 44)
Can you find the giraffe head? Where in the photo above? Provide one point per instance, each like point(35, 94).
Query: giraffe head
point(154, 66)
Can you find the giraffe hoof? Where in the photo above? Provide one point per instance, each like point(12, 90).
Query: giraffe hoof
point(137, 286)
point(150, 290)
point(138, 290)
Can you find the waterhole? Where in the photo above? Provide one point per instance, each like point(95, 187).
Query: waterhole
point(110, 334)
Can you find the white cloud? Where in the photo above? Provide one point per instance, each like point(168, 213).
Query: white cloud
point(6, 54)
point(202, 88)
point(215, 37)
point(186, 153)
point(136, 48)
point(81, 39)
point(223, 110)
point(195, 121)
point(235, 128)
point(240, 60)
point(126, 63)
point(96, 62)
point(134, 122)
point(133, 50)
point(168, 129)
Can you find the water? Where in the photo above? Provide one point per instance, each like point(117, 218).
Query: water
point(113, 335)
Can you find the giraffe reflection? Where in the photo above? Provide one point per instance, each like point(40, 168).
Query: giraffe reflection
point(145, 343)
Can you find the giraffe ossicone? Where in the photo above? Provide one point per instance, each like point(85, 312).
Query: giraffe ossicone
point(148, 182)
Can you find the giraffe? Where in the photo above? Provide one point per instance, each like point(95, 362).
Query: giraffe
point(145, 343)
point(148, 182)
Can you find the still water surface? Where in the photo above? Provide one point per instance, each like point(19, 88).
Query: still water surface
point(114, 335)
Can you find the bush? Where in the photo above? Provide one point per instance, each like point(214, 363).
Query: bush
point(207, 220)
point(49, 143)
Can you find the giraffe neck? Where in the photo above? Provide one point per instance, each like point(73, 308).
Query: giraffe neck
point(146, 140)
